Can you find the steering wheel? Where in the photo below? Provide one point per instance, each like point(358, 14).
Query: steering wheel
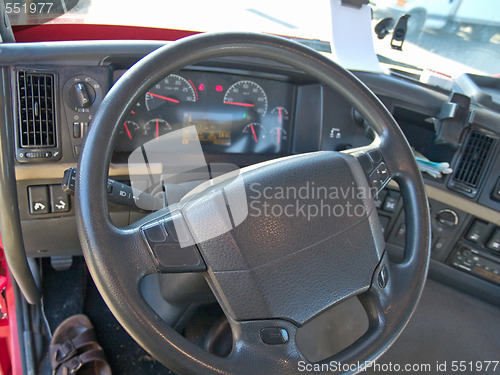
point(270, 274)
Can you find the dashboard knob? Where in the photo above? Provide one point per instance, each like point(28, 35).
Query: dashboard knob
point(447, 217)
point(82, 95)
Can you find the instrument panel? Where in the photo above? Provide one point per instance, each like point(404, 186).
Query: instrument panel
point(232, 113)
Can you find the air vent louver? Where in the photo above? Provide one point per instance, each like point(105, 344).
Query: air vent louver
point(36, 110)
point(471, 166)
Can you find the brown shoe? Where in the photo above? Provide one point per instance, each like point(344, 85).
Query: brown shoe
point(74, 349)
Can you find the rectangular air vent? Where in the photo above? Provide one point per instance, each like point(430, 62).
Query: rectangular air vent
point(472, 163)
point(36, 110)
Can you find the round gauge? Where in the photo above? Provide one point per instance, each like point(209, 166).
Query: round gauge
point(254, 131)
point(157, 127)
point(247, 94)
point(278, 135)
point(173, 89)
point(281, 115)
point(129, 129)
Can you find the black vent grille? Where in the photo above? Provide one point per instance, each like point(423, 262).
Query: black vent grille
point(474, 157)
point(36, 110)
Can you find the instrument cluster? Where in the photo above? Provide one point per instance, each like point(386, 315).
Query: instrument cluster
point(231, 113)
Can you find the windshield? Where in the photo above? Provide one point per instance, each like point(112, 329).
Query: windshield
point(276, 16)
point(446, 36)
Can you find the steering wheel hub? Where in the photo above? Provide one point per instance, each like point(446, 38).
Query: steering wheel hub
point(311, 223)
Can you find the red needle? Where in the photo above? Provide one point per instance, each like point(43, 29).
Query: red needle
point(241, 104)
point(254, 134)
point(281, 117)
point(278, 130)
point(128, 131)
point(164, 98)
point(157, 128)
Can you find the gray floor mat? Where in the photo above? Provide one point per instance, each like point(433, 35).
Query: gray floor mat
point(448, 326)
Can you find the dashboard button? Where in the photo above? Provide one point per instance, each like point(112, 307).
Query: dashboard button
point(167, 250)
point(494, 241)
point(477, 231)
point(379, 199)
point(391, 202)
point(384, 223)
point(366, 163)
point(155, 233)
point(38, 199)
point(77, 130)
point(274, 335)
point(59, 200)
point(174, 258)
point(441, 241)
point(178, 230)
point(401, 231)
point(376, 156)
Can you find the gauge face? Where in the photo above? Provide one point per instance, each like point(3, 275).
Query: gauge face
point(129, 129)
point(278, 135)
point(173, 89)
point(247, 94)
point(255, 132)
point(156, 127)
point(281, 115)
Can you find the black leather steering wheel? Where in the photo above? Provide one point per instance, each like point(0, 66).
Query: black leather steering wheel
point(270, 276)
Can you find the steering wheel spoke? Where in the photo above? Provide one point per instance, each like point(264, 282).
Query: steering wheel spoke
point(266, 340)
point(388, 289)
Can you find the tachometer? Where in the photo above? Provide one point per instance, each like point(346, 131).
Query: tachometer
point(247, 94)
point(173, 89)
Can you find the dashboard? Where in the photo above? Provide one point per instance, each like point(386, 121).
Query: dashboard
point(232, 113)
point(247, 111)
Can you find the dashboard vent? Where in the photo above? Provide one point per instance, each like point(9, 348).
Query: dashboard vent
point(472, 163)
point(36, 110)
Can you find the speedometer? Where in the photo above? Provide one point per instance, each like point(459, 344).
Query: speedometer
point(173, 89)
point(247, 94)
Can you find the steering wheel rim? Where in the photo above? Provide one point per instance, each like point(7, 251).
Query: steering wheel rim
point(389, 304)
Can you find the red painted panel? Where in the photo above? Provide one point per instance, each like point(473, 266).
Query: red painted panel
point(64, 32)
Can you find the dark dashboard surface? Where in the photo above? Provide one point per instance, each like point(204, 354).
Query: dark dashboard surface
point(249, 110)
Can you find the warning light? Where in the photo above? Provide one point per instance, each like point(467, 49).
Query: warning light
point(219, 88)
point(201, 87)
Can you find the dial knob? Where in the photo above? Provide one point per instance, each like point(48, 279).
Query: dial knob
point(82, 94)
point(447, 217)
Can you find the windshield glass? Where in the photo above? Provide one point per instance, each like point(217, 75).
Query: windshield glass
point(277, 16)
point(446, 36)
